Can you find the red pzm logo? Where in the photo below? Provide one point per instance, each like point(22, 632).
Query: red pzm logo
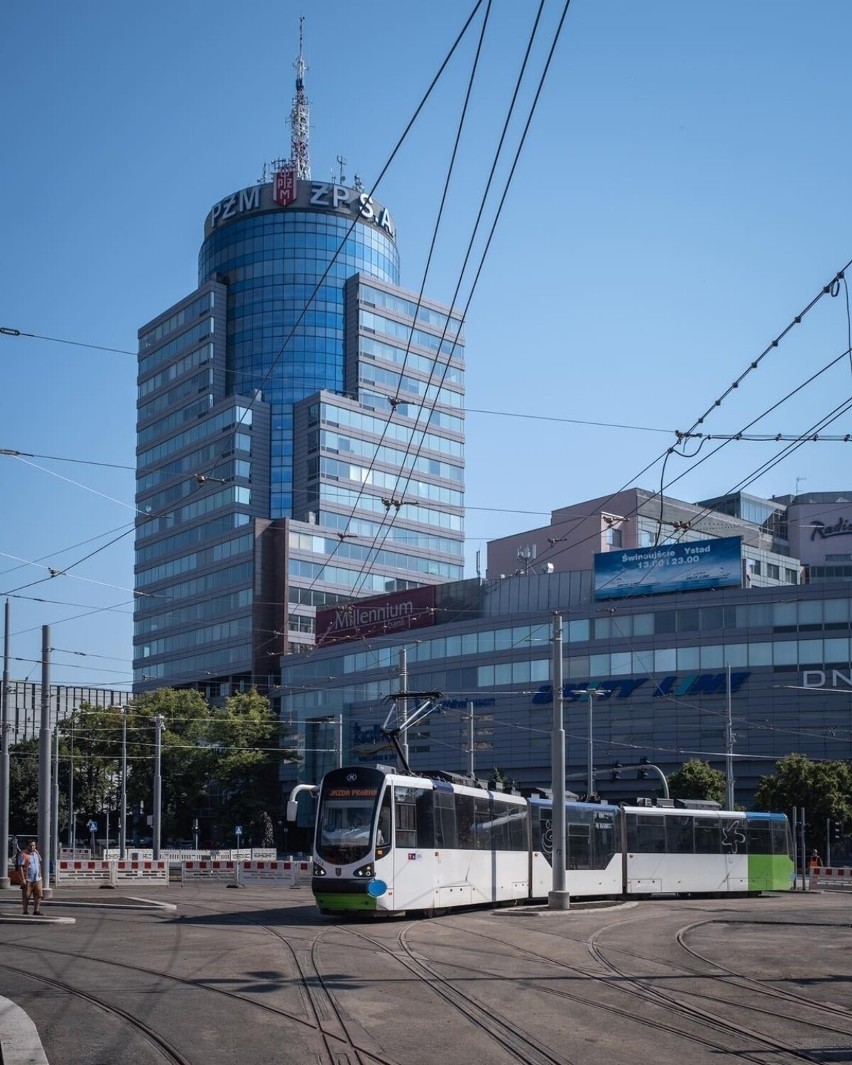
point(284, 187)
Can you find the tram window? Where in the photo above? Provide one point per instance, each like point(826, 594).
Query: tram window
point(579, 847)
point(406, 819)
point(383, 834)
point(518, 829)
point(759, 838)
point(603, 840)
point(485, 833)
point(445, 819)
point(425, 819)
point(734, 835)
point(708, 839)
point(541, 829)
point(650, 834)
point(780, 840)
point(679, 835)
point(464, 822)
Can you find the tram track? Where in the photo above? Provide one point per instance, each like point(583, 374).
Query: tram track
point(705, 1019)
point(324, 1018)
point(524, 1047)
point(163, 1046)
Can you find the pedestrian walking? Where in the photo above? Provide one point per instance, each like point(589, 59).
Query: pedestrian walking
point(815, 862)
point(33, 886)
point(21, 859)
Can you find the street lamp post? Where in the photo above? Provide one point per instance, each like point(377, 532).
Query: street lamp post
point(4, 758)
point(122, 826)
point(559, 898)
point(158, 784)
point(590, 694)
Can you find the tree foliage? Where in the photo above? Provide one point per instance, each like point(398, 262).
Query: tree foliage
point(697, 780)
point(219, 762)
point(824, 789)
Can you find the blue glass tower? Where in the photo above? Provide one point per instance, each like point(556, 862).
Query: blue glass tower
point(285, 271)
point(300, 433)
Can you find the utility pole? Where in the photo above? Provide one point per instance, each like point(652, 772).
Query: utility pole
point(558, 899)
point(403, 687)
point(158, 784)
point(54, 794)
point(44, 835)
point(72, 817)
point(471, 757)
point(4, 758)
point(729, 743)
point(122, 824)
point(590, 693)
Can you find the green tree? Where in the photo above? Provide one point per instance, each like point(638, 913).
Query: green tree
point(824, 789)
point(246, 736)
point(697, 780)
point(23, 787)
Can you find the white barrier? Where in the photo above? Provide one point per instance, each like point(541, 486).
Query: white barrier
point(148, 871)
point(265, 872)
point(112, 873)
point(831, 876)
point(209, 870)
point(84, 872)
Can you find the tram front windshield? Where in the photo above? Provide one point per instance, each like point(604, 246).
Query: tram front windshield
point(344, 833)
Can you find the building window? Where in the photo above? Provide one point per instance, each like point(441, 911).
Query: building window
point(791, 576)
point(773, 571)
point(614, 537)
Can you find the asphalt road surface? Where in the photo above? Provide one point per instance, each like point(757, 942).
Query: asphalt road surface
point(212, 976)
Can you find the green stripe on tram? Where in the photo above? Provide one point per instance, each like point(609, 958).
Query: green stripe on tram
point(769, 872)
point(345, 903)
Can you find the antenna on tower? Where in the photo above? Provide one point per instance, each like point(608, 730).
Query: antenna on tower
point(299, 163)
point(299, 116)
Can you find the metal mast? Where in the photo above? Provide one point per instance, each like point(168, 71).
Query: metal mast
point(300, 159)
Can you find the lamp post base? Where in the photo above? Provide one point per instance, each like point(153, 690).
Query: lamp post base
point(559, 900)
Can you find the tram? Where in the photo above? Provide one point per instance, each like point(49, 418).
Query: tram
point(387, 843)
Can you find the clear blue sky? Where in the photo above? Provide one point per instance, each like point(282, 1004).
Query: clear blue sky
point(679, 199)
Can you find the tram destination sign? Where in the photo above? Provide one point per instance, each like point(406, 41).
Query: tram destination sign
point(682, 567)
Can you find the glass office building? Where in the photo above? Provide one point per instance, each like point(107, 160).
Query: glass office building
point(300, 437)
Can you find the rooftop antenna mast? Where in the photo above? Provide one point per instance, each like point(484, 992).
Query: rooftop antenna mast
point(300, 158)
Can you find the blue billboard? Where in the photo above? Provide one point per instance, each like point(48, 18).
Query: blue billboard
point(685, 567)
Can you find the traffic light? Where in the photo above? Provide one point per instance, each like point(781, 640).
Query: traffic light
point(836, 831)
point(643, 773)
point(615, 774)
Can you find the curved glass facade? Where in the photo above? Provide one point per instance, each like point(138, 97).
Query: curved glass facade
point(274, 263)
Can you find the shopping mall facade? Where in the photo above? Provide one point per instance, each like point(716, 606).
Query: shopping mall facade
point(738, 634)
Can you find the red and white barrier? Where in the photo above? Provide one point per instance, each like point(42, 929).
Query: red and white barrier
point(112, 873)
point(831, 876)
point(209, 870)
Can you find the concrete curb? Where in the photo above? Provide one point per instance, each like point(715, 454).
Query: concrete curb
point(19, 1039)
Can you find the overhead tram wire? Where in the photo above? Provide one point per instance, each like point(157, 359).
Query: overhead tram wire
point(799, 439)
point(502, 200)
point(830, 289)
point(342, 535)
point(10, 332)
point(388, 516)
point(277, 358)
point(422, 431)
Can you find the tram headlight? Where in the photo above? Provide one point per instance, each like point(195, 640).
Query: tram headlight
point(318, 869)
point(365, 870)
